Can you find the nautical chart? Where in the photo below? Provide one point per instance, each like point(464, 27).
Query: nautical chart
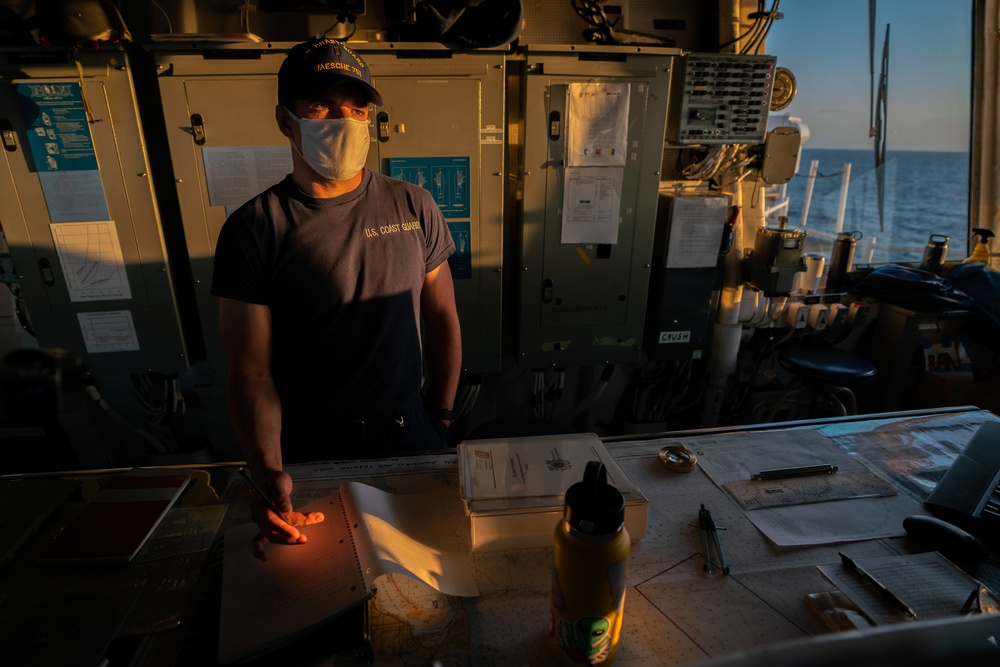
point(734, 458)
point(676, 612)
point(410, 623)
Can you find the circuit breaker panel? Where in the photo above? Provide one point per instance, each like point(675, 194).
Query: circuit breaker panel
point(594, 127)
point(223, 158)
point(78, 211)
point(721, 98)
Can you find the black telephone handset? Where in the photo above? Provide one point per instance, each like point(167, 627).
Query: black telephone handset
point(949, 539)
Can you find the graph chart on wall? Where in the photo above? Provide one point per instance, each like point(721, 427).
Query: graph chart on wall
point(91, 261)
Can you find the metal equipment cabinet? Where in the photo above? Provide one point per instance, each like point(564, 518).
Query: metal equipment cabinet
point(583, 296)
point(79, 213)
point(442, 127)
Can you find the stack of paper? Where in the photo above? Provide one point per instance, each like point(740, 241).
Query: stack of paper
point(514, 488)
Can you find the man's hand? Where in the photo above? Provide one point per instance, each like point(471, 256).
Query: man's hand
point(279, 528)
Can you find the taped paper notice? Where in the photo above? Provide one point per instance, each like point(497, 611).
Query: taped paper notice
point(91, 260)
point(597, 124)
point(696, 225)
point(591, 202)
point(112, 331)
point(236, 175)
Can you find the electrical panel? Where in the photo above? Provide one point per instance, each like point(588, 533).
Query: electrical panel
point(690, 232)
point(593, 136)
point(78, 210)
point(222, 158)
point(721, 98)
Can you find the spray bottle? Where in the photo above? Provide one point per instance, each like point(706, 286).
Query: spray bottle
point(981, 253)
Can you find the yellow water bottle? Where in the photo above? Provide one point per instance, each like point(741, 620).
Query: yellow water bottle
point(589, 567)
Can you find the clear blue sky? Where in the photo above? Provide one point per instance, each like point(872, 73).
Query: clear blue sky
point(825, 45)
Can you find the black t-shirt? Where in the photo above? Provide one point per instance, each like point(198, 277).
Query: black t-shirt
point(342, 278)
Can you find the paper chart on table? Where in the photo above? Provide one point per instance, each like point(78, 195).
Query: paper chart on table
point(928, 583)
point(735, 457)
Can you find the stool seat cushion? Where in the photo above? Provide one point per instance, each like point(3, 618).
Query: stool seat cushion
point(825, 364)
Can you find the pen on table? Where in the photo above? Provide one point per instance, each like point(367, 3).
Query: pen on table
point(259, 493)
point(796, 471)
point(882, 588)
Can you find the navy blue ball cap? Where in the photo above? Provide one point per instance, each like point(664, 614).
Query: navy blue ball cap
point(321, 63)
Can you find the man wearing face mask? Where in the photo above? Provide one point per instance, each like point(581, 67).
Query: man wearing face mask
point(322, 282)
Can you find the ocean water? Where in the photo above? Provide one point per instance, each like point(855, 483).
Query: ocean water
point(925, 193)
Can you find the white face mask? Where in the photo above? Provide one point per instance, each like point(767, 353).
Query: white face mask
point(336, 148)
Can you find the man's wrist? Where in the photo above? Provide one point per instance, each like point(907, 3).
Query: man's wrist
point(444, 414)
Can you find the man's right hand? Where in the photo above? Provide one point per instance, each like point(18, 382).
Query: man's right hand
point(279, 529)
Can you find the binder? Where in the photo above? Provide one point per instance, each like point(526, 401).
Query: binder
point(303, 587)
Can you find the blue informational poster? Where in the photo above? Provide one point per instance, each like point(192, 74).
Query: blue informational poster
point(56, 123)
point(61, 149)
point(460, 261)
point(446, 178)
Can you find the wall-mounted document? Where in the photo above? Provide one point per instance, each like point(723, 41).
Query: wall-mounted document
point(597, 124)
point(234, 175)
point(696, 226)
point(596, 150)
point(592, 198)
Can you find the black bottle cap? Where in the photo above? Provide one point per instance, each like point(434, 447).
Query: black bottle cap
point(593, 506)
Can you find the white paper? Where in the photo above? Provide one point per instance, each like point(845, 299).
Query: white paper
point(521, 468)
point(111, 331)
point(91, 260)
point(352, 469)
point(234, 175)
point(405, 541)
point(696, 225)
point(74, 196)
point(597, 124)
point(591, 204)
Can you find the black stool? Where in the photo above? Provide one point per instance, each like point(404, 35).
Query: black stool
point(823, 372)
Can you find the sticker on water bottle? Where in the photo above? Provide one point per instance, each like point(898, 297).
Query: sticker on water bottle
point(590, 638)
